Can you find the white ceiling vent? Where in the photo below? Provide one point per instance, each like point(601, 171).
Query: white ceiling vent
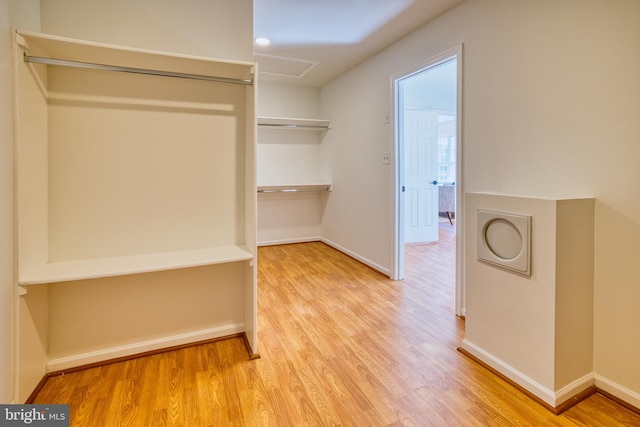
point(283, 66)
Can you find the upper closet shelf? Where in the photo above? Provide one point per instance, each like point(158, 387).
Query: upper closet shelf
point(64, 271)
point(290, 123)
point(63, 51)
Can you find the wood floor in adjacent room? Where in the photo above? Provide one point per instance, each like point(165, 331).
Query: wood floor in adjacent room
point(341, 345)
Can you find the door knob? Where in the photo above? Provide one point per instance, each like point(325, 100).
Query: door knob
point(434, 182)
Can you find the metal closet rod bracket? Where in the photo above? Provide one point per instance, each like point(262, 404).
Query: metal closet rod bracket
point(103, 67)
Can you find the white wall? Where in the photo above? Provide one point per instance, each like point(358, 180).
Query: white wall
point(359, 215)
point(283, 100)
point(24, 14)
point(219, 29)
point(550, 107)
point(6, 209)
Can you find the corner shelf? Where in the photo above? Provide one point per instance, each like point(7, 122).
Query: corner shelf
point(294, 124)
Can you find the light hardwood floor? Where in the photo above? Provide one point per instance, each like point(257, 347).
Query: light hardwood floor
point(341, 345)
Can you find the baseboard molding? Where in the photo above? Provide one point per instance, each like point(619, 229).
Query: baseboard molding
point(618, 393)
point(354, 255)
point(60, 364)
point(290, 241)
point(556, 402)
point(508, 372)
point(574, 392)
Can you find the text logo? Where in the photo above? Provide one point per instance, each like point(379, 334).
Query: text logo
point(34, 415)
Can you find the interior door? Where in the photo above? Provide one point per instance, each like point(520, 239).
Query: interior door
point(421, 175)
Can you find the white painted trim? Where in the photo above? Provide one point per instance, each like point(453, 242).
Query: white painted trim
point(621, 392)
point(554, 399)
point(574, 388)
point(363, 260)
point(142, 346)
point(397, 267)
point(510, 372)
point(461, 274)
point(290, 241)
point(397, 262)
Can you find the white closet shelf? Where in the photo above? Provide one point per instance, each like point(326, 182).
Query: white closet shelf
point(292, 123)
point(68, 49)
point(65, 271)
point(304, 188)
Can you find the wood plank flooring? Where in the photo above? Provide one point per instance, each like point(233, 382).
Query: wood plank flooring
point(341, 345)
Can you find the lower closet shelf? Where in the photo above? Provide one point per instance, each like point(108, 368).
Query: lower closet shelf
point(65, 271)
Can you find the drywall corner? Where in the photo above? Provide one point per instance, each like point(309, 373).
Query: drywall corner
point(574, 301)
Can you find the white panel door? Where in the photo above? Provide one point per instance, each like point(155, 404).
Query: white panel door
point(420, 175)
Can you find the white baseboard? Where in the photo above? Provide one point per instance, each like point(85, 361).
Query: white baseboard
point(575, 388)
point(67, 362)
point(510, 372)
point(553, 399)
point(621, 392)
point(290, 241)
point(375, 266)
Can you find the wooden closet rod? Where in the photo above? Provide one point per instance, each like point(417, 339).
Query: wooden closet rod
point(91, 66)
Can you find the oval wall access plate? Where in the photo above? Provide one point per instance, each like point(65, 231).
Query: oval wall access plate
point(504, 240)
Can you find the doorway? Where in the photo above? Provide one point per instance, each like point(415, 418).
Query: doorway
point(427, 152)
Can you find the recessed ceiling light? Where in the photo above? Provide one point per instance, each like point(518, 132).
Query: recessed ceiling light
point(262, 41)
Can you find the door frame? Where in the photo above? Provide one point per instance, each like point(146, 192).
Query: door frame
point(397, 267)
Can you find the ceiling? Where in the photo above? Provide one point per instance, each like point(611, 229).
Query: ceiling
point(314, 41)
